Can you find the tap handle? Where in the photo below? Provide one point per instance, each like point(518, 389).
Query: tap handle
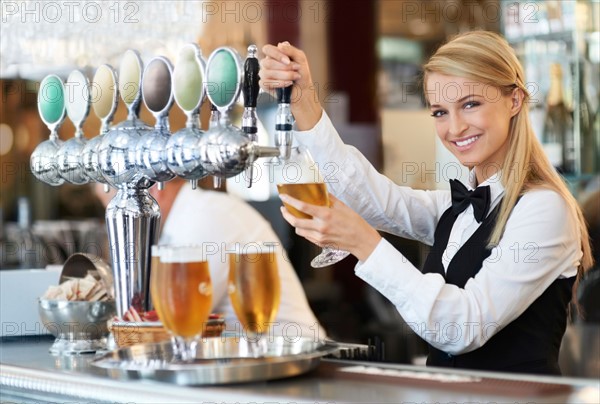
point(250, 90)
point(51, 102)
point(224, 76)
point(188, 79)
point(77, 100)
point(157, 86)
point(130, 79)
point(251, 78)
point(284, 95)
point(106, 102)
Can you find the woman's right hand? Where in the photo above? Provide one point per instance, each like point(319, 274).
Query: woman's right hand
point(285, 65)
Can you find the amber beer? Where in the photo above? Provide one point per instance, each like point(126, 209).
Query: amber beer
point(254, 289)
point(314, 193)
point(181, 291)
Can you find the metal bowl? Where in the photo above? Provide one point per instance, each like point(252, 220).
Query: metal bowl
point(78, 265)
point(79, 327)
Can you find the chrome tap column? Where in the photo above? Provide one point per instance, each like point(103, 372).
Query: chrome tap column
point(131, 156)
point(133, 222)
point(132, 216)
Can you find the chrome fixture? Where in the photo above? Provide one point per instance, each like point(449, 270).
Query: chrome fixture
point(132, 156)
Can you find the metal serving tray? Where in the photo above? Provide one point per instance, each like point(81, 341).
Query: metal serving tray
point(219, 360)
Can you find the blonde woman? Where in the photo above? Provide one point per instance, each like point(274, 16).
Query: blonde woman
point(507, 248)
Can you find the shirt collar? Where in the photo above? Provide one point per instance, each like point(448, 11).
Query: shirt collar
point(494, 182)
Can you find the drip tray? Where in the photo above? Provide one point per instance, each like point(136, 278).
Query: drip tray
point(219, 360)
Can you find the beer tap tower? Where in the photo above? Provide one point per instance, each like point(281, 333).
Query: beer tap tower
point(132, 156)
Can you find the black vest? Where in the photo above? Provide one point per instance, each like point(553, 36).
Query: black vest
point(530, 343)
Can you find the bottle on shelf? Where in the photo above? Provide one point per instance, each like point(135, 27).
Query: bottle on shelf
point(589, 152)
point(596, 137)
point(8, 257)
point(27, 247)
point(558, 136)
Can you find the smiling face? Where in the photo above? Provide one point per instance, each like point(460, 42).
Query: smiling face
point(472, 120)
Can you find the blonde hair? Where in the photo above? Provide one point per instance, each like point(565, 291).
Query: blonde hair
point(487, 58)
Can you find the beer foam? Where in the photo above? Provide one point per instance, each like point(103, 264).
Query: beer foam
point(156, 250)
point(300, 168)
point(253, 253)
point(294, 173)
point(173, 254)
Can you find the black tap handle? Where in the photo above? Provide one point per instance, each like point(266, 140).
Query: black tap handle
point(251, 78)
point(284, 95)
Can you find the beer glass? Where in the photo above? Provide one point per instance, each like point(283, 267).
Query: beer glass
point(254, 287)
point(299, 177)
point(181, 292)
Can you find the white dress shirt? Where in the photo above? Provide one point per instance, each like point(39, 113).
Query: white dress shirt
point(218, 221)
point(540, 244)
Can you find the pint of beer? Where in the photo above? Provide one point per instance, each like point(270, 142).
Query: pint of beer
point(181, 289)
point(254, 289)
point(314, 193)
point(299, 177)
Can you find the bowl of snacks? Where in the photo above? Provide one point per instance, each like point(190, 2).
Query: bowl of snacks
point(77, 311)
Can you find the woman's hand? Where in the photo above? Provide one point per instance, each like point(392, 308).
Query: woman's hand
point(336, 226)
point(283, 66)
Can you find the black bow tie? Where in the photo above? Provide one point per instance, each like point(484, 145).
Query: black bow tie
point(462, 197)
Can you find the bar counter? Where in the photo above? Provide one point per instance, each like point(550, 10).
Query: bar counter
point(29, 374)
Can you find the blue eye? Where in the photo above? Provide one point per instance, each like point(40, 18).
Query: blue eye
point(438, 113)
point(471, 104)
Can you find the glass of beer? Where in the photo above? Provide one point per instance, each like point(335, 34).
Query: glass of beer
point(254, 287)
point(181, 292)
point(299, 177)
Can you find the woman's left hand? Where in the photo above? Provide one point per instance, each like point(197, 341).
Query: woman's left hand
point(336, 226)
